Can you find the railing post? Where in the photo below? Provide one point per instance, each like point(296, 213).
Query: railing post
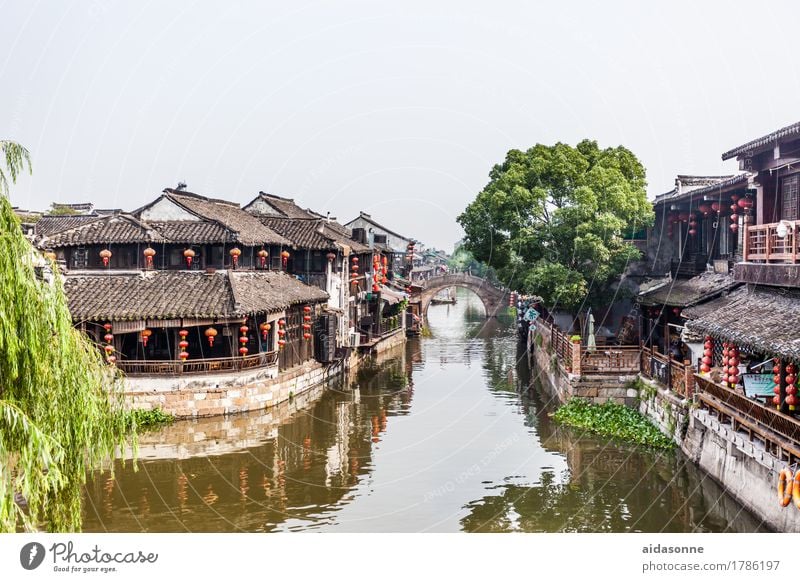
point(746, 240)
point(576, 357)
point(688, 371)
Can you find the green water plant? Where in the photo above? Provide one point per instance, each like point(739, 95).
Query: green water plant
point(614, 420)
point(61, 410)
point(143, 420)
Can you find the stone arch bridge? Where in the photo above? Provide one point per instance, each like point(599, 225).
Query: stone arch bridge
point(494, 298)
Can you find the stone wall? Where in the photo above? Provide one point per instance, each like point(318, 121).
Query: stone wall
point(229, 393)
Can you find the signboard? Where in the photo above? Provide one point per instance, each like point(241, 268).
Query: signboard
point(758, 384)
point(658, 371)
point(531, 314)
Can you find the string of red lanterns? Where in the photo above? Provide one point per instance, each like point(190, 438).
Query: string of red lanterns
point(281, 334)
point(243, 340)
point(183, 345)
point(307, 322)
point(730, 364)
point(708, 355)
point(109, 347)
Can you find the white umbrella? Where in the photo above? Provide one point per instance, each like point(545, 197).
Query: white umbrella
point(591, 345)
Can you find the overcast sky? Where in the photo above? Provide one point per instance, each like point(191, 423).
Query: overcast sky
point(395, 108)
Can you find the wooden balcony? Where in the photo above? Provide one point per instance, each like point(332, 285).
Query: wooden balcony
point(202, 366)
point(779, 433)
point(770, 259)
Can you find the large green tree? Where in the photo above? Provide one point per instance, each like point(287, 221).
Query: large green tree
point(59, 415)
point(552, 220)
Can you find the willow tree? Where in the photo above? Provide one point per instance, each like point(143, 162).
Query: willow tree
point(60, 413)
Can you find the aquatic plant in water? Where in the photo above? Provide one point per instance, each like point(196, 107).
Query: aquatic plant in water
point(615, 420)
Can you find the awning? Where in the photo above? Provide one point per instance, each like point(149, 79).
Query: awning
point(390, 296)
point(686, 292)
point(760, 319)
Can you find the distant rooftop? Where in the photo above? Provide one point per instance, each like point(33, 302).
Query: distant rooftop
point(764, 142)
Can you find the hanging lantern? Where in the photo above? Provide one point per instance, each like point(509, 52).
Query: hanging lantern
point(331, 257)
point(183, 333)
point(183, 356)
point(107, 326)
point(105, 254)
point(745, 203)
point(715, 206)
point(354, 268)
point(108, 348)
point(285, 258)
point(146, 333)
point(234, 253)
point(183, 344)
point(108, 338)
point(384, 260)
point(306, 309)
point(281, 344)
point(281, 332)
point(211, 333)
point(243, 351)
point(354, 260)
point(262, 258)
point(791, 400)
point(306, 318)
point(149, 253)
point(307, 336)
point(188, 254)
point(692, 231)
point(375, 288)
point(244, 329)
point(112, 360)
point(281, 322)
point(264, 327)
point(244, 340)
point(306, 326)
point(705, 208)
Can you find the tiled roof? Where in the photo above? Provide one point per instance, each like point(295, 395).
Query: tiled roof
point(761, 319)
point(193, 232)
point(51, 224)
point(285, 206)
point(685, 292)
point(265, 291)
point(304, 233)
point(148, 295)
point(183, 294)
point(713, 185)
point(108, 229)
point(764, 142)
point(368, 218)
point(247, 228)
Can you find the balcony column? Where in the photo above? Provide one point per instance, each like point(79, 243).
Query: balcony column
point(759, 204)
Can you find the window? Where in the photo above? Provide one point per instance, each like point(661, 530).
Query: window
point(789, 195)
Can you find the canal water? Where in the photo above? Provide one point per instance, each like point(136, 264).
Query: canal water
point(448, 433)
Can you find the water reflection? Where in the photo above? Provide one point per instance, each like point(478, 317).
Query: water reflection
point(440, 435)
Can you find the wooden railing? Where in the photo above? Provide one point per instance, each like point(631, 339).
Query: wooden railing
point(779, 432)
point(203, 366)
point(611, 360)
point(762, 243)
point(667, 371)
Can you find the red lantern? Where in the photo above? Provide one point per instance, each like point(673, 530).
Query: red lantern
point(264, 327)
point(715, 206)
point(306, 309)
point(234, 253)
point(692, 231)
point(306, 318)
point(284, 258)
point(734, 218)
point(354, 260)
point(375, 288)
point(791, 389)
point(281, 332)
point(281, 322)
point(112, 359)
point(706, 360)
point(183, 344)
point(188, 254)
point(746, 203)
point(243, 351)
point(146, 333)
point(306, 326)
point(211, 333)
point(105, 254)
point(791, 368)
point(777, 401)
point(704, 368)
point(776, 369)
point(776, 378)
point(244, 339)
point(776, 389)
point(705, 208)
point(108, 349)
point(149, 253)
point(244, 329)
point(183, 333)
point(262, 258)
point(354, 269)
point(108, 338)
point(791, 400)
point(107, 327)
point(183, 356)
point(281, 344)
point(307, 336)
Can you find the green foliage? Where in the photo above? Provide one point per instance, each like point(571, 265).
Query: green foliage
point(16, 158)
point(143, 420)
point(645, 391)
point(60, 405)
point(61, 210)
point(613, 420)
point(552, 219)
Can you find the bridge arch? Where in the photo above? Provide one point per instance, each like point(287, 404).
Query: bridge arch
point(494, 299)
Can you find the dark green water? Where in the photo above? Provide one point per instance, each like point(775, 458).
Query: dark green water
point(443, 435)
